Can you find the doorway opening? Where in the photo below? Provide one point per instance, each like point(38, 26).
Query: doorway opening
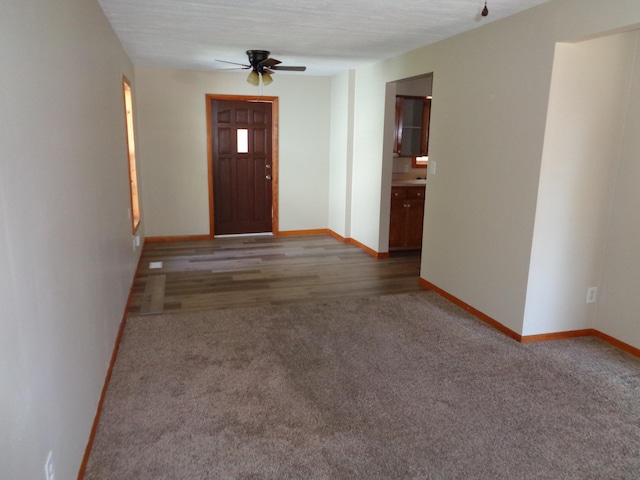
point(408, 106)
point(242, 143)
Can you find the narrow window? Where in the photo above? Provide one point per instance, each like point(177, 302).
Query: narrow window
point(131, 149)
point(243, 140)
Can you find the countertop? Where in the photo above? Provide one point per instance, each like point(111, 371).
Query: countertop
point(409, 183)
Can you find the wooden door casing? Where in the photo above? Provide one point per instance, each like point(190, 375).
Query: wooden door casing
point(242, 186)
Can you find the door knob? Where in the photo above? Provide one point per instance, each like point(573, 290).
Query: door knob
point(268, 177)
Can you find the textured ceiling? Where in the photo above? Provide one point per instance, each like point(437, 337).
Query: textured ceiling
point(328, 36)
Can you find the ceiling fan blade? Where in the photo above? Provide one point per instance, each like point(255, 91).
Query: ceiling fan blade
point(290, 69)
point(243, 65)
point(269, 62)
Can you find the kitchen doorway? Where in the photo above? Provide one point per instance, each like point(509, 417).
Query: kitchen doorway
point(405, 170)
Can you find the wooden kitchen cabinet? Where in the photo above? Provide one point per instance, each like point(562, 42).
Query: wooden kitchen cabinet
point(406, 221)
point(413, 115)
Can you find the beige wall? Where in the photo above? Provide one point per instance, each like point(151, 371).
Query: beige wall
point(489, 115)
point(585, 124)
point(341, 157)
point(173, 147)
point(66, 252)
point(619, 303)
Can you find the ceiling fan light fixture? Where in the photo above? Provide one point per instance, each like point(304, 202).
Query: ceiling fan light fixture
point(266, 79)
point(253, 78)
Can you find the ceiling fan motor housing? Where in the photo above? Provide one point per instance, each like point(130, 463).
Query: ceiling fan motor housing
point(256, 57)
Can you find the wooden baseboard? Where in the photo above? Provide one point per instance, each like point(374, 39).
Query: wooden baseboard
point(297, 233)
point(338, 237)
point(543, 337)
point(362, 246)
point(107, 379)
point(617, 343)
point(589, 332)
point(177, 238)
point(476, 313)
point(370, 251)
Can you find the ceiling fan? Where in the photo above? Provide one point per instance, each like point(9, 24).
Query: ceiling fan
point(262, 65)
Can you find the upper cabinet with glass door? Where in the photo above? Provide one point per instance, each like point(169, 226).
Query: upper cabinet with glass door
point(412, 128)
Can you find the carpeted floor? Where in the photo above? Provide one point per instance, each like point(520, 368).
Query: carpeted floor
point(392, 387)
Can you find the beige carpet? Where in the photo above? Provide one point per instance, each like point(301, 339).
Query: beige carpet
point(391, 387)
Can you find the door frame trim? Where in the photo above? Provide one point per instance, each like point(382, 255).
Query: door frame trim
point(209, 97)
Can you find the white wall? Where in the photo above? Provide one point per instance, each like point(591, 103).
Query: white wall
point(491, 90)
point(487, 125)
point(619, 303)
point(585, 121)
point(368, 137)
point(66, 252)
point(173, 147)
point(341, 157)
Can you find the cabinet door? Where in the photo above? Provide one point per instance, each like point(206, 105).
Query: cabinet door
point(397, 137)
point(409, 135)
point(426, 120)
point(398, 218)
point(406, 219)
point(415, 216)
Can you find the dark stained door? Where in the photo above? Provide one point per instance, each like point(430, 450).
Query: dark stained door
point(242, 168)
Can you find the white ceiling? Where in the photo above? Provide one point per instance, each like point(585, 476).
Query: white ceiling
point(328, 36)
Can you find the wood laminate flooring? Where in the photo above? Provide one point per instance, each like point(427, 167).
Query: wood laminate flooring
point(256, 270)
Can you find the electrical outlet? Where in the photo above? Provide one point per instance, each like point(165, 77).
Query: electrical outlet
point(406, 168)
point(592, 294)
point(49, 474)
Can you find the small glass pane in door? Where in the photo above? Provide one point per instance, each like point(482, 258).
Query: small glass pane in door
point(243, 140)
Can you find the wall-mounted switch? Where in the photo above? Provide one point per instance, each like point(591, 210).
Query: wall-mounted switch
point(592, 294)
point(432, 167)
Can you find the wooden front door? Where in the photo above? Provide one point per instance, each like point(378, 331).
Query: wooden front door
point(242, 166)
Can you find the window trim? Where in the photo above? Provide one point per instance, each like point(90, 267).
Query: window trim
point(127, 94)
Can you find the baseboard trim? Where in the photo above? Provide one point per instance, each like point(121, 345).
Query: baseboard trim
point(177, 238)
point(589, 332)
point(107, 379)
point(351, 241)
point(543, 337)
point(630, 349)
point(337, 236)
point(298, 233)
point(370, 251)
point(476, 313)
